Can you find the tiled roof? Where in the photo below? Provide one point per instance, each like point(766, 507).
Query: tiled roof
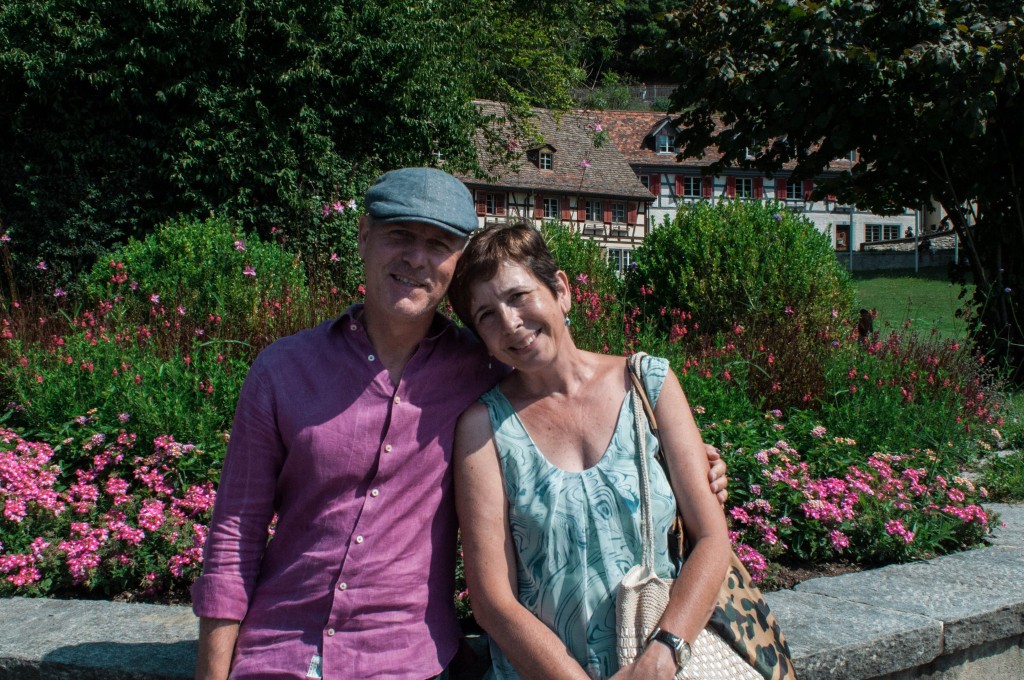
point(580, 167)
point(629, 132)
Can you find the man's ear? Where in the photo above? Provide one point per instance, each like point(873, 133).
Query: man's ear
point(365, 224)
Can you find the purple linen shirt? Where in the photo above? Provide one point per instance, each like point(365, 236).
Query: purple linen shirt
point(360, 569)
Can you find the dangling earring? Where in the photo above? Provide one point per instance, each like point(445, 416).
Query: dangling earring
point(489, 360)
point(568, 321)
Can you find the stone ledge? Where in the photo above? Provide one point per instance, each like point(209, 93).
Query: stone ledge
point(957, 617)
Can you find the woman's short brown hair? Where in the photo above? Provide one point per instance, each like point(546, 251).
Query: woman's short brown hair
point(516, 243)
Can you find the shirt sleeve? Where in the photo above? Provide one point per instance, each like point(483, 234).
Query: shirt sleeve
point(244, 506)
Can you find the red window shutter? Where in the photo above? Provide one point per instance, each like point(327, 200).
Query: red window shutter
point(709, 187)
point(631, 213)
point(808, 189)
point(538, 206)
point(607, 211)
point(780, 189)
point(655, 182)
point(499, 204)
point(566, 212)
point(679, 186)
point(730, 187)
point(481, 203)
point(759, 187)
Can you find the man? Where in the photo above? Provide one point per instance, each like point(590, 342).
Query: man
point(344, 431)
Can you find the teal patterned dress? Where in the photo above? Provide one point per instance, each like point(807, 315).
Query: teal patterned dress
point(576, 534)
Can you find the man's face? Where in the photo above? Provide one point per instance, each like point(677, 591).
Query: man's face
point(408, 267)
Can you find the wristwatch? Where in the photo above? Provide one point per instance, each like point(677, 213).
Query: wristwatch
point(680, 647)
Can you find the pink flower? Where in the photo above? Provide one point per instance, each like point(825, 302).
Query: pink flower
point(326, 211)
point(818, 432)
point(840, 541)
point(597, 127)
point(894, 527)
point(240, 246)
point(249, 270)
point(5, 238)
point(41, 266)
point(584, 164)
point(351, 205)
point(154, 298)
point(59, 293)
point(338, 206)
point(334, 257)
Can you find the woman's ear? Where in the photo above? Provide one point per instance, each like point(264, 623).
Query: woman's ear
point(563, 293)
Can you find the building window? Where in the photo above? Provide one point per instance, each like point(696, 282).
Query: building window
point(620, 259)
point(794, 191)
point(744, 187)
point(618, 212)
point(692, 187)
point(663, 143)
point(594, 211)
point(495, 204)
point(881, 232)
point(551, 209)
point(546, 161)
point(646, 181)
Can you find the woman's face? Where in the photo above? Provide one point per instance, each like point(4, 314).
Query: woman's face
point(521, 320)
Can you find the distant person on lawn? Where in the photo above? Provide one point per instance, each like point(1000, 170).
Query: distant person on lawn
point(345, 432)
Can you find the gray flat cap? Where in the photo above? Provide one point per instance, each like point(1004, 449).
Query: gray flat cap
point(423, 195)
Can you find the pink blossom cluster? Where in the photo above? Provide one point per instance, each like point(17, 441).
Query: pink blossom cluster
point(124, 510)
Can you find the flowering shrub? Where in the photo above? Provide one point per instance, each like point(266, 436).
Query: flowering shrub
point(129, 401)
point(99, 512)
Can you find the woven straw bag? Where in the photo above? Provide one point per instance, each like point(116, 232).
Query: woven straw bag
point(643, 595)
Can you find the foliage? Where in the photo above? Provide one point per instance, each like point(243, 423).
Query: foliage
point(757, 272)
point(207, 267)
point(100, 512)
point(118, 421)
point(926, 92)
point(263, 111)
point(596, 311)
point(741, 262)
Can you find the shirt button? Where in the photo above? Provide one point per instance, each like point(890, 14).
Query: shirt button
point(342, 586)
point(371, 357)
point(375, 493)
point(330, 632)
point(387, 448)
point(359, 539)
point(353, 327)
point(398, 400)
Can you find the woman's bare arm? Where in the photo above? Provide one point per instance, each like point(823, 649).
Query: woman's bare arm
point(533, 648)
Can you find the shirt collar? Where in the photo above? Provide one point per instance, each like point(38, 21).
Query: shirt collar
point(354, 314)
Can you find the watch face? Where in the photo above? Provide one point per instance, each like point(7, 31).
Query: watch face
point(683, 654)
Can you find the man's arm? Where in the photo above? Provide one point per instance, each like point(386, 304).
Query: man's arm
point(216, 648)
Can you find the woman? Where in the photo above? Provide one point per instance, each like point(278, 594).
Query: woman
point(546, 479)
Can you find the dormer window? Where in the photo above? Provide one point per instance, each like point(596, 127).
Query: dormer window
point(546, 160)
point(663, 143)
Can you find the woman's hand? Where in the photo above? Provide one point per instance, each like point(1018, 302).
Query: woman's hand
point(654, 663)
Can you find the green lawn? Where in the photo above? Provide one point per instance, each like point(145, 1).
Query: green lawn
point(926, 299)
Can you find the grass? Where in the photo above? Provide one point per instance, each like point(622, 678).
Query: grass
point(1003, 474)
point(926, 299)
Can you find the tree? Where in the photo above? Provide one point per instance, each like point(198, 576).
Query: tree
point(118, 116)
point(927, 92)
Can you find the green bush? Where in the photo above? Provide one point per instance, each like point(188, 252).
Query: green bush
point(744, 262)
point(207, 267)
point(596, 314)
point(759, 275)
